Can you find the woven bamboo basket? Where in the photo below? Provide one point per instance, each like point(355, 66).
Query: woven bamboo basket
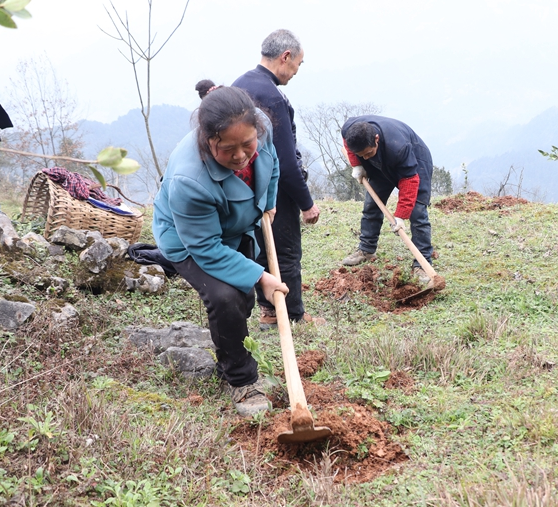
point(47, 199)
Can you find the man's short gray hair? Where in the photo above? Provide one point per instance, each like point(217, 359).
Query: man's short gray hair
point(279, 41)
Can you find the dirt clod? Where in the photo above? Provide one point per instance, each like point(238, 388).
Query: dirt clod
point(385, 294)
point(359, 450)
point(438, 283)
point(474, 202)
point(310, 362)
point(360, 447)
point(400, 380)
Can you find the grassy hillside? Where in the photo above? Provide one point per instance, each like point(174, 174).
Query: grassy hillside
point(86, 419)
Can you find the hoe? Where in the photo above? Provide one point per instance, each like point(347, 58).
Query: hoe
point(302, 422)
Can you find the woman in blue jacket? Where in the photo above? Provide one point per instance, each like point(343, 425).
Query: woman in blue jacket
point(219, 181)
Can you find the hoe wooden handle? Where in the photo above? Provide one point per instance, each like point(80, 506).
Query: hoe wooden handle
point(299, 408)
point(424, 264)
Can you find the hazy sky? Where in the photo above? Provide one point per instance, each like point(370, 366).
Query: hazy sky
point(443, 66)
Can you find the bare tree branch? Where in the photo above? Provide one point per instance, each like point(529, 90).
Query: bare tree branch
point(323, 124)
point(137, 53)
point(49, 157)
point(46, 118)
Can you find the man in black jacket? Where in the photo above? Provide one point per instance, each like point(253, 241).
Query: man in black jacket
point(282, 55)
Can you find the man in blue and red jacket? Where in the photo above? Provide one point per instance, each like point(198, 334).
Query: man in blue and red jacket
point(390, 155)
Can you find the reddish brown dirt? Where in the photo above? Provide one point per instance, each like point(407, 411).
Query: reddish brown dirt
point(195, 399)
point(473, 201)
point(359, 450)
point(364, 281)
point(310, 362)
point(400, 380)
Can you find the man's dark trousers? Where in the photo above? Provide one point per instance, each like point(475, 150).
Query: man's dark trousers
point(372, 219)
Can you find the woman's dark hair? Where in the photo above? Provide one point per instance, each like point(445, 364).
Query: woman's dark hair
point(222, 108)
point(203, 86)
point(360, 136)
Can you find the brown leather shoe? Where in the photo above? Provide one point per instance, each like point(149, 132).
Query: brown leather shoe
point(358, 257)
point(268, 318)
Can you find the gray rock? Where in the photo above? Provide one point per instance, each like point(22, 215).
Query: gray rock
point(14, 313)
point(131, 283)
point(32, 237)
point(95, 257)
point(59, 284)
point(67, 317)
point(152, 279)
point(8, 235)
point(57, 252)
point(34, 244)
point(119, 247)
point(151, 284)
point(69, 238)
point(152, 269)
point(191, 362)
point(179, 334)
point(93, 236)
point(26, 248)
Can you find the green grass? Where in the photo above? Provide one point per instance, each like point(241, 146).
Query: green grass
point(85, 419)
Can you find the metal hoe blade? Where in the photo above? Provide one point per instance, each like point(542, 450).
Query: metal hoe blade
point(306, 434)
point(304, 430)
point(415, 295)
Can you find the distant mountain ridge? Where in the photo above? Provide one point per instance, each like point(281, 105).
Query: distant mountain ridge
point(168, 125)
point(516, 146)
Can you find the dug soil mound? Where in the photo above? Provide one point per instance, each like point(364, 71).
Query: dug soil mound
point(473, 202)
point(359, 450)
point(387, 293)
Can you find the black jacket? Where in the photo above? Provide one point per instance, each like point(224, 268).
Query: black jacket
point(261, 84)
point(5, 121)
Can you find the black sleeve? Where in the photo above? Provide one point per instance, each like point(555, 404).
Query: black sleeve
point(291, 178)
point(5, 121)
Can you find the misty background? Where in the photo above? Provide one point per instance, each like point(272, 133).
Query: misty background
point(476, 81)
